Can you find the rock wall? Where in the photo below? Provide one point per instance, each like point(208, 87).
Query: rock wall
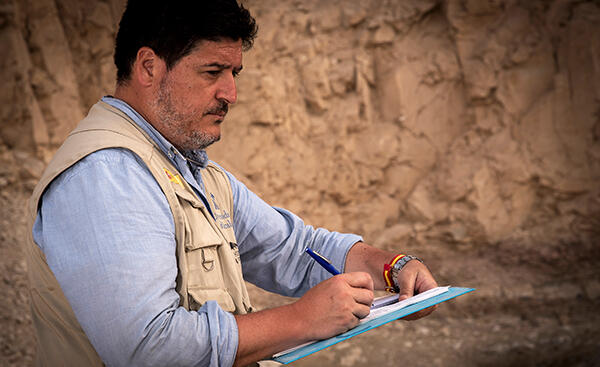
point(458, 119)
point(444, 126)
point(461, 120)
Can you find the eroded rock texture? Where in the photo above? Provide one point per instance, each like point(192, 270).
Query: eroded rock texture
point(465, 130)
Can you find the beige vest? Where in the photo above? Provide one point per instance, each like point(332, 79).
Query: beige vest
point(208, 260)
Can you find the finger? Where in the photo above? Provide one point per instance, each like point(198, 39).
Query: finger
point(424, 281)
point(406, 282)
point(363, 296)
point(361, 311)
point(359, 280)
point(424, 285)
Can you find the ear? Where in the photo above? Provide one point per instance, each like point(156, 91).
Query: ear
point(148, 68)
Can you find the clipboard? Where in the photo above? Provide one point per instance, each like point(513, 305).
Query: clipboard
point(304, 350)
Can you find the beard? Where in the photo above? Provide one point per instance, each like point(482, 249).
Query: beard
point(200, 140)
point(179, 124)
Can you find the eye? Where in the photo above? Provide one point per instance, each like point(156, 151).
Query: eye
point(214, 72)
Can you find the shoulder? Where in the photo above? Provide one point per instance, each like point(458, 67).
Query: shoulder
point(107, 180)
point(220, 174)
point(243, 197)
point(230, 176)
point(109, 162)
point(106, 173)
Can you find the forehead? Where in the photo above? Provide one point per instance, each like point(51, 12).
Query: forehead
point(226, 52)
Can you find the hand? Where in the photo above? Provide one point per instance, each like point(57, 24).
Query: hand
point(336, 304)
point(415, 278)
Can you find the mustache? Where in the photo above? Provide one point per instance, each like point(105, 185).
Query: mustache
point(219, 109)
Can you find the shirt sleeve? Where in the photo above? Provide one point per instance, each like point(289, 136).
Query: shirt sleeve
point(107, 232)
point(272, 242)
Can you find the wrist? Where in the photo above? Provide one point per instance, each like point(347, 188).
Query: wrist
point(301, 321)
point(393, 268)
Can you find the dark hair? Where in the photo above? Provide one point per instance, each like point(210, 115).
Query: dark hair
point(172, 28)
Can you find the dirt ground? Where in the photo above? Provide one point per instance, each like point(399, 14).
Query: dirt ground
point(529, 309)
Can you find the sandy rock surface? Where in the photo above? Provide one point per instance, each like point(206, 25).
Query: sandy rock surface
point(466, 132)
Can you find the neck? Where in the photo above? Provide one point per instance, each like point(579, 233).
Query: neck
point(128, 95)
point(134, 99)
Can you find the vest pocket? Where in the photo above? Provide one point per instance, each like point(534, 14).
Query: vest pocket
point(199, 296)
point(204, 266)
point(208, 263)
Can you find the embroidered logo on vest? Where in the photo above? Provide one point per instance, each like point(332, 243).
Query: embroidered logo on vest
point(221, 215)
point(214, 202)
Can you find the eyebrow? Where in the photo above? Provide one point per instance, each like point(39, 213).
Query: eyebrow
point(222, 66)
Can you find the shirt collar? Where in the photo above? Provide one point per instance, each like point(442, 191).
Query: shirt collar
point(197, 157)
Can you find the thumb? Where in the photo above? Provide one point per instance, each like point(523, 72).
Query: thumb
point(406, 282)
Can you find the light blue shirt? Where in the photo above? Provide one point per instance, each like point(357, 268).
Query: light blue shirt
point(108, 235)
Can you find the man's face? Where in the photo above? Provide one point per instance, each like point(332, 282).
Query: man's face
point(193, 97)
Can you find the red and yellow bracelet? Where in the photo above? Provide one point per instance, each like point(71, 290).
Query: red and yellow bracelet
point(388, 276)
point(391, 270)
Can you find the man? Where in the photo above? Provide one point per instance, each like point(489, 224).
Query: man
point(140, 245)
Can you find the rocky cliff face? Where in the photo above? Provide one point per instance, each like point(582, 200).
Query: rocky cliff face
point(467, 130)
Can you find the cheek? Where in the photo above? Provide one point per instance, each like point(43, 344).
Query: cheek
point(192, 99)
point(200, 101)
point(189, 104)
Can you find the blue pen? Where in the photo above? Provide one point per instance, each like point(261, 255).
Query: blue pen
point(323, 261)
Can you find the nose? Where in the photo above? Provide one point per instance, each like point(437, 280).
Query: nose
point(227, 90)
